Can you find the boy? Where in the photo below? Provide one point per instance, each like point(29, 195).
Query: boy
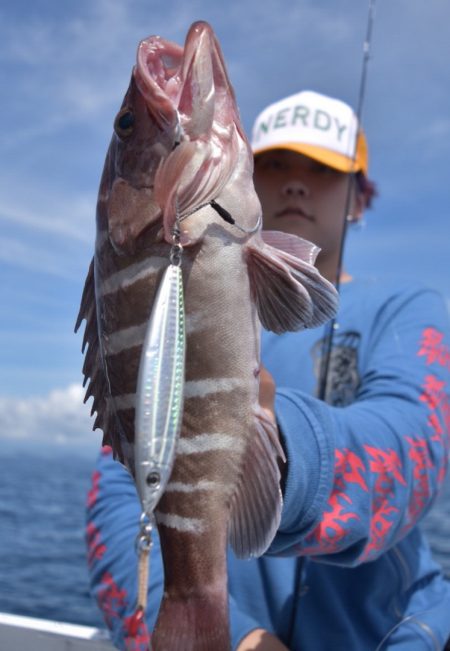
point(348, 569)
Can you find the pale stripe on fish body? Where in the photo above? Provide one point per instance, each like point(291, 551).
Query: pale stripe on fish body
point(202, 388)
point(202, 443)
point(194, 526)
point(123, 402)
point(126, 277)
point(133, 336)
point(127, 338)
point(202, 485)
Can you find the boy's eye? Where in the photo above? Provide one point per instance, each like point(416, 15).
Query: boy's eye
point(273, 164)
point(324, 170)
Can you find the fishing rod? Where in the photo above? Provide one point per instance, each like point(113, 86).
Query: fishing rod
point(332, 325)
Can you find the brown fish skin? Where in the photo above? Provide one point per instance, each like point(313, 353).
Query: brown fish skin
point(225, 480)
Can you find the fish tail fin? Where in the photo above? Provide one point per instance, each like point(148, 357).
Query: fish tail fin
point(192, 622)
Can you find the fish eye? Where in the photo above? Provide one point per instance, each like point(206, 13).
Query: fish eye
point(124, 123)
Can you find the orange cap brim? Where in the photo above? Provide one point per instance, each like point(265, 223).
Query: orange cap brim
point(327, 156)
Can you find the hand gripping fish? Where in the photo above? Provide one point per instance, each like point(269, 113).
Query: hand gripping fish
point(178, 178)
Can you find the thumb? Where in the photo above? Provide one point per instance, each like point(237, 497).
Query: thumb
point(267, 390)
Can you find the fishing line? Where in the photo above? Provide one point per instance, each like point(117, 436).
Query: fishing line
point(332, 325)
point(222, 212)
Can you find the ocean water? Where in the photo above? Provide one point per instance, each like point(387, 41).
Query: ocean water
point(42, 551)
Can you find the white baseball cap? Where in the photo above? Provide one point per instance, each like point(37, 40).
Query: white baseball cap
point(314, 125)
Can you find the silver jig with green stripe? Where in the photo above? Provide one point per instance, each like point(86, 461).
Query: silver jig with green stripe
point(158, 410)
point(160, 386)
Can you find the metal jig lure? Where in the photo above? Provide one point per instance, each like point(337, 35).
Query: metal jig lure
point(159, 405)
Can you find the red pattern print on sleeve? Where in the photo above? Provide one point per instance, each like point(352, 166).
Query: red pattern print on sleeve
point(93, 492)
point(420, 457)
point(327, 536)
point(111, 599)
point(434, 395)
point(386, 466)
point(433, 348)
point(137, 637)
point(434, 423)
point(113, 603)
point(96, 548)
point(349, 469)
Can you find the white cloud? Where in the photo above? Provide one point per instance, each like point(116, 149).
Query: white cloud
point(30, 43)
point(44, 233)
point(72, 219)
point(83, 62)
point(60, 416)
point(15, 252)
point(67, 70)
point(41, 259)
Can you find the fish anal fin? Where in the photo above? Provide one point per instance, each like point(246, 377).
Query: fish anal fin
point(256, 504)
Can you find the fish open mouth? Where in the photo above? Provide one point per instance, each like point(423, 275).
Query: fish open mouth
point(157, 73)
point(176, 80)
point(186, 86)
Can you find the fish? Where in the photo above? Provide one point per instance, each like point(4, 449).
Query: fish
point(179, 162)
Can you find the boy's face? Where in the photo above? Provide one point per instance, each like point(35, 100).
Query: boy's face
point(301, 196)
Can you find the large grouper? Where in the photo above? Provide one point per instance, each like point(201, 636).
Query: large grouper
point(179, 157)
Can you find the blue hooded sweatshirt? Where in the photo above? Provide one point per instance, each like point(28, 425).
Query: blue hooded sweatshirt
point(348, 569)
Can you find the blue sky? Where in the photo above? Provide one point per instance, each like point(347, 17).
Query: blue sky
point(64, 67)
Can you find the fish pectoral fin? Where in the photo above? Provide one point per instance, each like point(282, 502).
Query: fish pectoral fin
point(292, 244)
point(257, 502)
point(289, 292)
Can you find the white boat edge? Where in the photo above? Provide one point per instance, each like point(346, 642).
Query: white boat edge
point(18, 633)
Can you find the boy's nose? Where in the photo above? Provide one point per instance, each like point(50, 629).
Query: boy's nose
point(295, 188)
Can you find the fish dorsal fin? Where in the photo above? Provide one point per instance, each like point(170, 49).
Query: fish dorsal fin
point(93, 371)
point(256, 504)
point(289, 292)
